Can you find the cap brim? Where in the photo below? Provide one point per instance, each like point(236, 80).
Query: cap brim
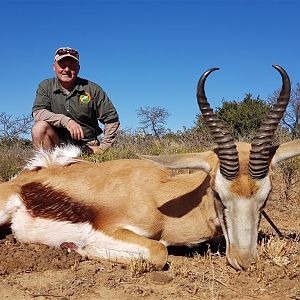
point(59, 57)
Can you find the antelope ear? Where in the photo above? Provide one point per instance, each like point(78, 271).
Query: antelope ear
point(199, 161)
point(286, 151)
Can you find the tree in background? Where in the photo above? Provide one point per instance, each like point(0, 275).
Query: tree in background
point(14, 129)
point(153, 120)
point(14, 148)
point(291, 119)
point(200, 132)
point(242, 118)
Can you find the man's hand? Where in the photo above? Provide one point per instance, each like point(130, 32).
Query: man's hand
point(75, 130)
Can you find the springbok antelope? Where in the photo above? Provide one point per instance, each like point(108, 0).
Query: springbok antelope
point(126, 209)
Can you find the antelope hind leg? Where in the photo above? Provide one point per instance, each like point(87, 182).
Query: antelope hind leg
point(123, 245)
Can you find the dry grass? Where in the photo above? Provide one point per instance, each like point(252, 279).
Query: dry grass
point(192, 274)
point(275, 275)
point(140, 266)
point(12, 159)
point(279, 249)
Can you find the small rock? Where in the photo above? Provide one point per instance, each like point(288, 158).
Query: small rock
point(159, 278)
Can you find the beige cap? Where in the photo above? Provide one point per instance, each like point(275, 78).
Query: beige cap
point(66, 52)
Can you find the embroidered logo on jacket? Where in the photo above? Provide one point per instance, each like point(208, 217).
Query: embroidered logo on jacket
point(85, 98)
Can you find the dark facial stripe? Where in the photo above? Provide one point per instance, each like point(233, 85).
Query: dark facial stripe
point(46, 202)
point(225, 221)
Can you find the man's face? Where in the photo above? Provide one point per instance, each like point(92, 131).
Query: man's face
point(66, 69)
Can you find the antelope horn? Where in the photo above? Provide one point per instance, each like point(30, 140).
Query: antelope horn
point(261, 147)
point(227, 153)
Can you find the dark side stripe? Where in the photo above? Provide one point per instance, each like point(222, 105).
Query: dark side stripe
point(46, 202)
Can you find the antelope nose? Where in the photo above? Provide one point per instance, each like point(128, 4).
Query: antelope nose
point(241, 262)
point(246, 261)
point(241, 259)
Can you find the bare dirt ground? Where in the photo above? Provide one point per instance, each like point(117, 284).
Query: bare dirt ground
point(40, 272)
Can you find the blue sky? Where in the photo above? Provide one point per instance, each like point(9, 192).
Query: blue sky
point(151, 53)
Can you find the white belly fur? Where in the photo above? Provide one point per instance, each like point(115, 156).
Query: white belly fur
point(90, 242)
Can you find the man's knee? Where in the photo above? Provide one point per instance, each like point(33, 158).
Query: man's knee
point(40, 128)
point(43, 133)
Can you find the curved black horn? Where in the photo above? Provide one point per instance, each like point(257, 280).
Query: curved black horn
point(227, 153)
point(261, 154)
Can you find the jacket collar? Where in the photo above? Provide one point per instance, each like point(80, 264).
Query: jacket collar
point(78, 87)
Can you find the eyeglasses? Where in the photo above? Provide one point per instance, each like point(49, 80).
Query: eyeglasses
point(63, 51)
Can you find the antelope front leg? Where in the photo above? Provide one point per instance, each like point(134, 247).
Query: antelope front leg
point(123, 245)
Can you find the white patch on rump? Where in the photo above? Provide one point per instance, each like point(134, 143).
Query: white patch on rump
point(90, 242)
point(59, 156)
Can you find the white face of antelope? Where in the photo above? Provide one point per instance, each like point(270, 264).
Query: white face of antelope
point(239, 204)
point(242, 184)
